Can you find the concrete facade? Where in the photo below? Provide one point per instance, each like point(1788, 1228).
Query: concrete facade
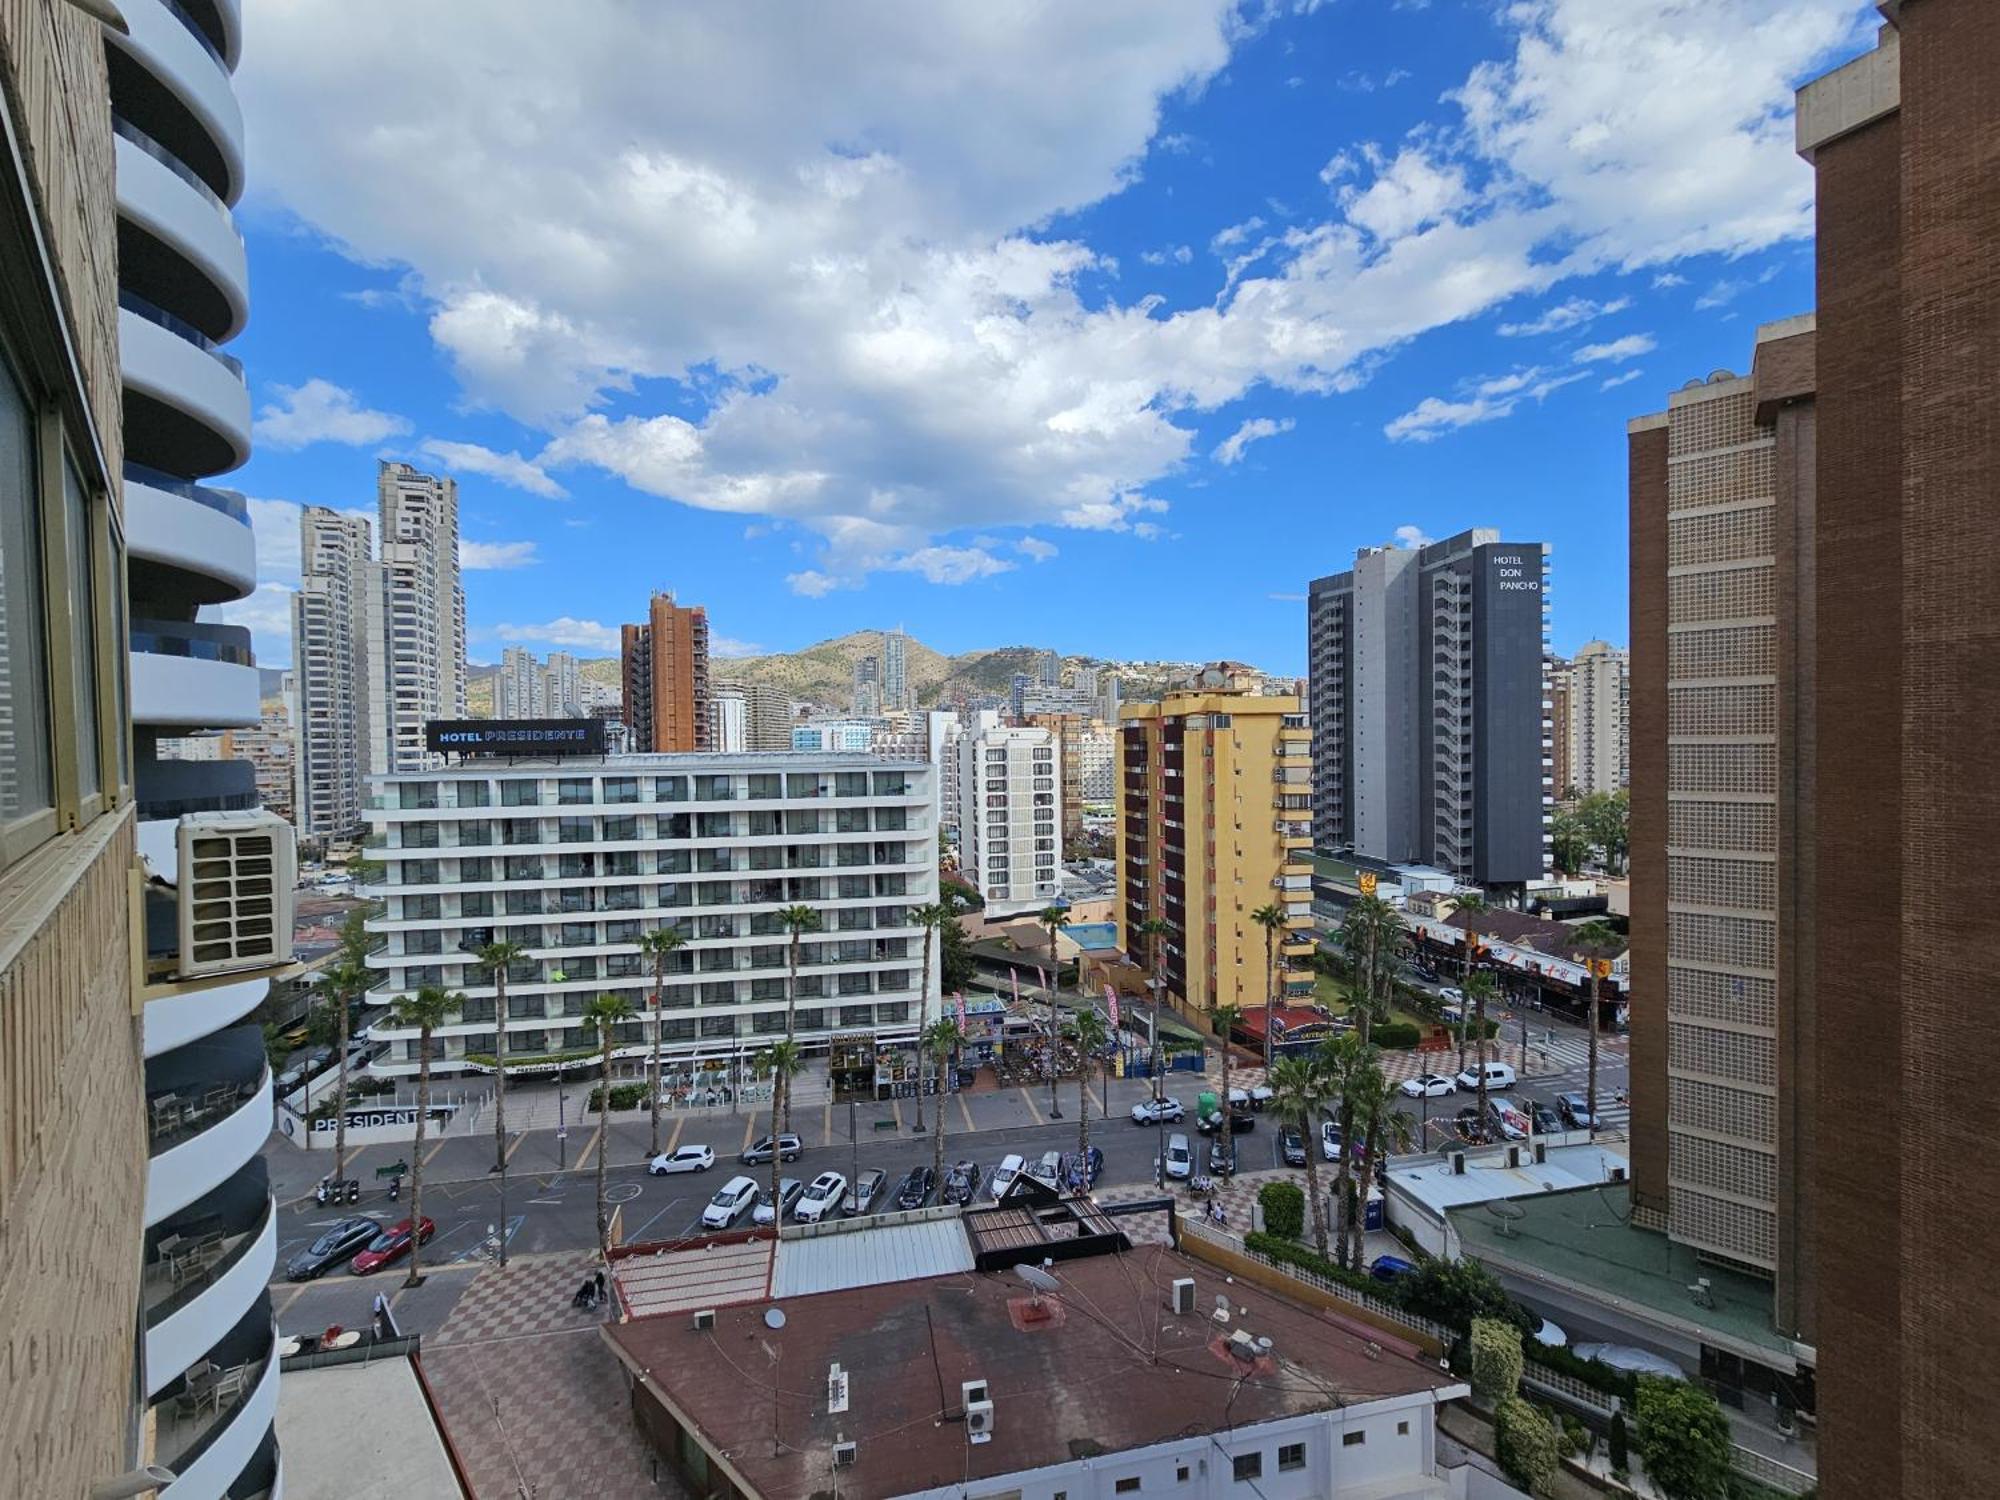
point(1010, 814)
point(664, 668)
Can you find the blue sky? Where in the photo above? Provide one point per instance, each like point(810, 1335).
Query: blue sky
point(1103, 328)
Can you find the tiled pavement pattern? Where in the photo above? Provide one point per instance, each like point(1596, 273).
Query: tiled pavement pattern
point(532, 1400)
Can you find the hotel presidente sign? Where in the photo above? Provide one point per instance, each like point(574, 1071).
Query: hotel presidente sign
point(515, 736)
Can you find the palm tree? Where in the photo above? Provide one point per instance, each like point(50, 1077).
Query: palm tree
point(778, 1062)
point(426, 1010)
point(941, 1039)
point(601, 1015)
point(497, 957)
point(1155, 931)
point(1091, 1034)
point(345, 979)
point(1371, 935)
point(931, 916)
point(1599, 939)
point(796, 920)
point(1479, 989)
point(1298, 1089)
point(1367, 1097)
point(660, 942)
point(1224, 1018)
point(1341, 1060)
point(1054, 919)
point(1270, 917)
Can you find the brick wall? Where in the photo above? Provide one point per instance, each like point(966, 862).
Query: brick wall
point(1647, 483)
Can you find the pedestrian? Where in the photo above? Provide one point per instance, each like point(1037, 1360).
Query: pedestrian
point(600, 1286)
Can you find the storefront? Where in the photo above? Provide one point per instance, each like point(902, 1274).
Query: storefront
point(851, 1065)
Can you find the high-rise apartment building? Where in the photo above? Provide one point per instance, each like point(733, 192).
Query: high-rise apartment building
point(767, 715)
point(714, 846)
point(664, 668)
point(416, 617)
point(331, 682)
point(562, 686)
point(1594, 746)
point(728, 720)
point(1555, 672)
point(896, 697)
point(182, 295)
point(942, 728)
point(867, 699)
point(1048, 668)
point(1084, 751)
point(833, 734)
point(271, 749)
point(1009, 815)
point(517, 691)
point(1430, 737)
point(1213, 823)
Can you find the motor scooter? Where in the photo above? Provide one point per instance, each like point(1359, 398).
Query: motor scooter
point(395, 1187)
point(337, 1190)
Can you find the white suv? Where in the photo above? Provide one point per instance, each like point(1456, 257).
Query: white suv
point(822, 1197)
point(729, 1204)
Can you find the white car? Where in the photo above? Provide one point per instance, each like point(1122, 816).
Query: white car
point(1180, 1158)
point(789, 1189)
point(1625, 1357)
point(1499, 1075)
point(684, 1159)
point(1451, 996)
point(1048, 1171)
point(1153, 1111)
point(1329, 1139)
point(1427, 1086)
point(1011, 1166)
point(727, 1206)
point(822, 1197)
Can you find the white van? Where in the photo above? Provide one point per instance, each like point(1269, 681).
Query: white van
point(1180, 1158)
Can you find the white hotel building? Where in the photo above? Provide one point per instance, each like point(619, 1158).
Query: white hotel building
point(575, 858)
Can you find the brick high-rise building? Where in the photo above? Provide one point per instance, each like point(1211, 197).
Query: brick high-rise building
point(664, 666)
point(1592, 745)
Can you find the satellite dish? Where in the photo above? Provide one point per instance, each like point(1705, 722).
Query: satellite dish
point(1509, 1214)
point(774, 1317)
point(1037, 1278)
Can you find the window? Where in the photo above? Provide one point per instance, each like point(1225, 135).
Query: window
point(1247, 1466)
point(82, 630)
point(1353, 1439)
point(473, 794)
point(27, 779)
point(520, 793)
point(1129, 1485)
point(1402, 1429)
point(1291, 1458)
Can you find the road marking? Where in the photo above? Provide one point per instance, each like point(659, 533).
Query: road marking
point(518, 1140)
point(293, 1296)
point(1028, 1099)
point(594, 1142)
point(964, 1112)
point(637, 1236)
point(435, 1149)
point(680, 1123)
point(896, 1108)
point(545, 1200)
point(621, 1192)
point(749, 1130)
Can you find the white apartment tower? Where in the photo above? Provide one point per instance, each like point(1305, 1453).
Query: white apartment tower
point(1009, 815)
point(562, 686)
point(416, 625)
point(517, 693)
point(728, 719)
point(895, 671)
point(1599, 747)
point(330, 681)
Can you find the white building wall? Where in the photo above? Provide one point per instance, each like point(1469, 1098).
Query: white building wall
point(1599, 737)
point(1010, 815)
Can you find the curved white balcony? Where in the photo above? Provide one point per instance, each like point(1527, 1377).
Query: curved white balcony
point(192, 528)
point(191, 382)
point(168, 49)
point(232, 1446)
point(180, 211)
point(231, 14)
point(191, 1329)
point(193, 676)
point(180, 1019)
point(197, 1163)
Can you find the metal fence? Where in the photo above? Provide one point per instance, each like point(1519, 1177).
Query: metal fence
point(1364, 1300)
point(1767, 1470)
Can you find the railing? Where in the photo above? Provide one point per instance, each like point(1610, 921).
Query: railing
point(139, 307)
point(224, 643)
point(126, 130)
point(1554, 1382)
point(228, 502)
point(201, 1251)
point(1767, 1470)
point(1360, 1299)
point(202, 38)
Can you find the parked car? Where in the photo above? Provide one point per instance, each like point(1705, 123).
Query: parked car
point(1222, 1156)
point(1471, 1129)
point(729, 1203)
point(821, 1198)
point(1011, 1166)
point(915, 1191)
point(1546, 1120)
point(1292, 1144)
point(1180, 1158)
point(1260, 1095)
point(682, 1159)
point(1427, 1086)
point(1499, 1075)
point(1077, 1173)
point(1451, 995)
point(1575, 1109)
point(1153, 1111)
point(787, 1146)
point(1625, 1357)
point(867, 1188)
point(1048, 1170)
point(1509, 1124)
point(1329, 1139)
point(340, 1242)
point(789, 1190)
point(1390, 1268)
point(389, 1245)
point(961, 1183)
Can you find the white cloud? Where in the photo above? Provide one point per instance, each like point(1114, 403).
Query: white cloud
point(729, 646)
point(268, 614)
point(1485, 401)
point(275, 525)
point(812, 583)
point(1230, 449)
point(950, 564)
point(321, 412)
point(508, 468)
point(1235, 234)
point(1412, 537)
point(495, 556)
point(817, 278)
point(1616, 351)
point(1614, 381)
point(1034, 547)
point(1668, 279)
point(1573, 313)
point(1178, 254)
point(582, 635)
point(1287, 598)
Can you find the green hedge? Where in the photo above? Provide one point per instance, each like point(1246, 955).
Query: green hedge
point(623, 1096)
point(1496, 1360)
point(1399, 1036)
point(1306, 1259)
point(1284, 1205)
point(1525, 1444)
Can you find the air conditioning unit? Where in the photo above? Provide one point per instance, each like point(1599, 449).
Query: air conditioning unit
point(1458, 1163)
point(979, 1421)
point(843, 1454)
point(234, 882)
point(704, 1320)
point(1183, 1294)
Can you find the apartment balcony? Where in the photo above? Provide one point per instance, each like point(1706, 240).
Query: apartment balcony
point(177, 1020)
point(172, 78)
point(203, 534)
point(177, 243)
point(193, 676)
point(202, 1267)
point(1290, 945)
point(212, 1421)
point(208, 1112)
point(187, 409)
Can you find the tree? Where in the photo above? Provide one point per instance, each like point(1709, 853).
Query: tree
point(931, 916)
point(426, 1010)
point(778, 1062)
point(957, 970)
point(796, 920)
point(1155, 931)
point(1054, 919)
point(1599, 940)
point(1683, 1439)
point(496, 957)
point(1479, 989)
point(602, 1015)
point(1472, 906)
point(1223, 1019)
point(660, 942)
point(1371, 935)
point(1298, 1089)
point(1570, 841)
point(1342, 1057)
point(1454, 1292)
point(1497, 1360)
point(344, 980)
point(1091, 1035)
point(1270, 917)
point(1525, 1444)
point(941, 1039)
point(1606, 818)
point(1378, 1121)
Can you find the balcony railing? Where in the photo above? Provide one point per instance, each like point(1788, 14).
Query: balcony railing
point(227, 502)
point(139, 307)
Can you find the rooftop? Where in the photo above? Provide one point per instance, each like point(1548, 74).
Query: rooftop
point(1102, 1366)
point(692, 761)
point(361, 1432)
point(1487, 1176)
point(1585, 1239)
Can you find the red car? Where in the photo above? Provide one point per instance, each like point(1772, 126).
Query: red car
point(391, 1244)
